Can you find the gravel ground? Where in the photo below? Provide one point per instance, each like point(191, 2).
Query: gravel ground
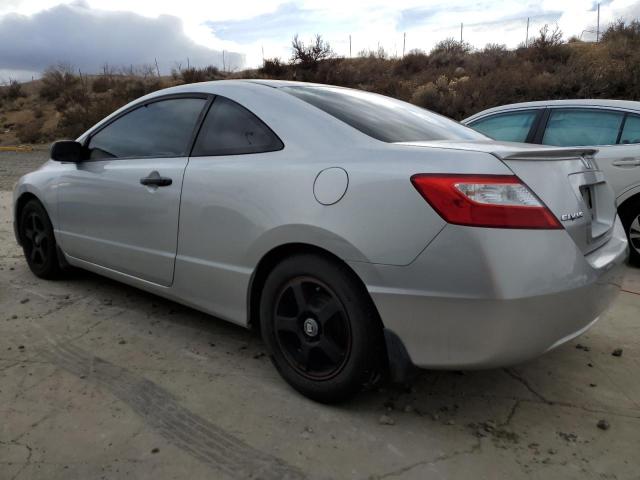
point(15, 164)
point(100, 380)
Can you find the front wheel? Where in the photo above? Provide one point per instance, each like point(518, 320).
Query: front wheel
point(321, 328)
point(38, 242)
point(630, 216)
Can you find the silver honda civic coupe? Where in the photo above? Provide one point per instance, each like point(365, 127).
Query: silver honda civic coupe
point(362, 235)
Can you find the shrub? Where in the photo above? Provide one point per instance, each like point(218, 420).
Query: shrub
point(194, 75)
point(58, 81)
point(311, 54)
point(273, 67)
point(413, 62)
point(13, 91)
point(102, 84)
point(30, 132)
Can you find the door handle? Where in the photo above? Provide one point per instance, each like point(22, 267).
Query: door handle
point(155, 180)
point(627, 162)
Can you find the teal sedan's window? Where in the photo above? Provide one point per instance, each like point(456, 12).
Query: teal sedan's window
point(631, 130)
point(579, 126)
point(507, 127)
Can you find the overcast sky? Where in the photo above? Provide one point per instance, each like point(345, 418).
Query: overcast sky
point(90, 33)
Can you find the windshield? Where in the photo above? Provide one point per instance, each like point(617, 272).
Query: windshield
point(382, 117)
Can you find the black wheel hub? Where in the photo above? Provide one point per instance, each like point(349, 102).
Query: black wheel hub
point(36, 239)
point(634, 234)
point(312, 328)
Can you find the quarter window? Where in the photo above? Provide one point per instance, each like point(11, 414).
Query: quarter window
point(578, 127)
point(383, 118)
point(631, 130)
point(507, 127)
point(230, 129)
point(159, 129)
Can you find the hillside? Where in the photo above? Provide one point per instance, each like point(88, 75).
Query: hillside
point(452, 79)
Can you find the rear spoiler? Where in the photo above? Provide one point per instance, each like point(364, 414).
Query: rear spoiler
point(550, 154)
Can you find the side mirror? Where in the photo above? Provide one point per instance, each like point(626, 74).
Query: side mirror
point(67, 151)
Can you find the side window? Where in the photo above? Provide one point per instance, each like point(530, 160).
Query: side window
point(578, 127)
point(230, 129)
point(631, 130)
point(159, 129)
point(507, 127)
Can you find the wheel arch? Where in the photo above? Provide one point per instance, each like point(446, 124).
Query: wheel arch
point(628, 198)
point(271, 258)
point(21, 201)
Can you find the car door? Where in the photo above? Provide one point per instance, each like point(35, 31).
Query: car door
point(119, 208)
point(605, 129)
point(512, 126)
point(229, 175)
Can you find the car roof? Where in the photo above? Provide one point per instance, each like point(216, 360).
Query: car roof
point(212, 86)
point(263, 98)
point(616, 104)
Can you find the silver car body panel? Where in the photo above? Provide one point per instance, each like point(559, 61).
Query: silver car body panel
point(456, 296)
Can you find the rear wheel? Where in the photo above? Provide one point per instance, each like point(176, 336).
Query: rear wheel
point(38, 241)
point(321, 328)
point(630, 216)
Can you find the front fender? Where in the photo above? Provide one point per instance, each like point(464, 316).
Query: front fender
point(42, 185)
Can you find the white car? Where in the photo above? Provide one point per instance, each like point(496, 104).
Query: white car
point(611, 126)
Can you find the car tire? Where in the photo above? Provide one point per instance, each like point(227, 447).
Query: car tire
point(321, 329)
point(630, 217)
point(38, 241)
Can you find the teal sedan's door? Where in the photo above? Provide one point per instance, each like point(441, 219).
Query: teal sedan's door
point(119, 209)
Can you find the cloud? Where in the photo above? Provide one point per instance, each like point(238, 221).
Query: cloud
point(88, 38)
point(286, 20)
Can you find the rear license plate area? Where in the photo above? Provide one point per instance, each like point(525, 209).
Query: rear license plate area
point(588, 197)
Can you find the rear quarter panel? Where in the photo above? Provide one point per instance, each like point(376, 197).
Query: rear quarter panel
point(235, 209)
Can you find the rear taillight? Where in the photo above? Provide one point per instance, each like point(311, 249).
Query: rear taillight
point(497, 201)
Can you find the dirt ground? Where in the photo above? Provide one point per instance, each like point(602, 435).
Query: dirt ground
point(101, 381)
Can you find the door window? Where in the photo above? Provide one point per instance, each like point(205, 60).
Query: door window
point(507, 127)
point(631, 130)
point(159, 129)
point(578, 127)
point(231, 129)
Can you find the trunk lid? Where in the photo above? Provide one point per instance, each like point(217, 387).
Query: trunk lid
point(567, 180)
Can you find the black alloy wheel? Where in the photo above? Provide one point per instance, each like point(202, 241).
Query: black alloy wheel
point(312, 328)
point(321, 328)
point(38, 241)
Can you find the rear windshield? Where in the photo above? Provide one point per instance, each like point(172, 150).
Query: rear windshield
point(382, 117)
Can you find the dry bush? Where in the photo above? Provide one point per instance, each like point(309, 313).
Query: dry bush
point(59, 81)
point(30, 131)
point(413, 62)
point(273, 67)
point(449, 52)
point(194, 75)
point(103, 83)
point(13, 91)
point(309, 55)
point(548, 47)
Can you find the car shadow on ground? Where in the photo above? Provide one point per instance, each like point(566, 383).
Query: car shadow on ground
point(445, 391)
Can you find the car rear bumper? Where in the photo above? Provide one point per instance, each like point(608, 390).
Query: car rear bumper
point(483, 298)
